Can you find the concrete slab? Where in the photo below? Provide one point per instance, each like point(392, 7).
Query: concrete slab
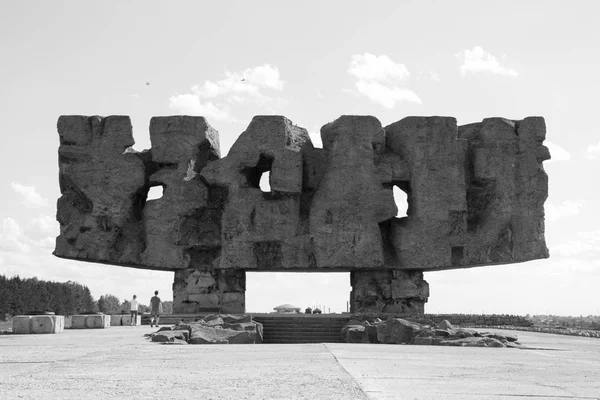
point(36, 324)
point(124, 320)
point(571, 370)
point(92, 321)
point(120, 363)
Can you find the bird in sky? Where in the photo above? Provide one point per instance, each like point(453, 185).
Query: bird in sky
point(147, 83)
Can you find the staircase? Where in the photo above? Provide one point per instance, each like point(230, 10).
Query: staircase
point(301, 328)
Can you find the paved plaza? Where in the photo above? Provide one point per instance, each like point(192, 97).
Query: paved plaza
point(120, 363)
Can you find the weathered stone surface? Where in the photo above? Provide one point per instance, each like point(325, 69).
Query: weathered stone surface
point(211, 335)
point(397, 330)
point(92, 321)
point(124, 320)
point(353, 332)
point(29, 324)
point(400, 331)
point(170, 336)
point(445, 324)
point(213, 329)
point(388, 291)
point(475, 197)
point(473, 342)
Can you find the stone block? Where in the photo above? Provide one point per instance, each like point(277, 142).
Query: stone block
point(32, 324)
point(116, 319)
point(124, 320)
point(92, 321)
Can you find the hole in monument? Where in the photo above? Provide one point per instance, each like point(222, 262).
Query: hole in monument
point(142, 137)
point(330, 292)
point(265, 184)
point(401, 200)
point(258, 177)
point(155, 192)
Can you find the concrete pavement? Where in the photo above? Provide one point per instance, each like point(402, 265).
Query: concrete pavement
point(120, 363)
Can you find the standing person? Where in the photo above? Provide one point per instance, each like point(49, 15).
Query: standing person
point(156, 308)
point(134, 305)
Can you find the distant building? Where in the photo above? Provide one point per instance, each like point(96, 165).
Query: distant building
point(286, 309)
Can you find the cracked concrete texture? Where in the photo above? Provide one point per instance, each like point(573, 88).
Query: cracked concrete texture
point(118, 362)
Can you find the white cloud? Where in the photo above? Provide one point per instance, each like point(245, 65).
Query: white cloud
point(190, 104)
point(557, 153)
point(593, 151)
point(31, 198)
point(248, 82)
point(586, 243)
point(44, 224)
point(565, 209)
point(12, 237)
point(40, 234)
point(369, 67)
point(379, 78)
point(386, 96)
point(479, 60)
point(245, 87)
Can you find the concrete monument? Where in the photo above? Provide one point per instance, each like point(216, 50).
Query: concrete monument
point(475, 197)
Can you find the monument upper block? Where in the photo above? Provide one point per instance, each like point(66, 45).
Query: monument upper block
point(475, 195)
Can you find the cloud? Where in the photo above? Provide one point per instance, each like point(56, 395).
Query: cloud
point(379, 79)
point(593, 151)
point(44, 224)
point(31, 198)
point(563, 210)
point(190, 104)
point(479, 60)
point(386, 96)
point(211, 99)
point(556, 152)
point(248, 82)
point(12, 237)
point(39, 235)
point(587, 243)
point(369, 67)
point(41, 232)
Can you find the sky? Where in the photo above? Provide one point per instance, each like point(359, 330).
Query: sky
point(311, 61)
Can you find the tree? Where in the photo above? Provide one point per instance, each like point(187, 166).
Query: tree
point(109, 304)
point(18, 296)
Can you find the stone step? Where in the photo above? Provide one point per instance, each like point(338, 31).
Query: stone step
point(303, 331)
point(302, 326)
point(269, 322)
point(300, 333)
point(302, 340)
point(284, 329)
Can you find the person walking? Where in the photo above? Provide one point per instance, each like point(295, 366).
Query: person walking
point(155, 309)
point(133, 308)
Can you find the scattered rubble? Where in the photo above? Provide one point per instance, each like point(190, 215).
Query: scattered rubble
point(422, 332)
point(212, 329)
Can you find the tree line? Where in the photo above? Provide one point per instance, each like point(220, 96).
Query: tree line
point(22, 296)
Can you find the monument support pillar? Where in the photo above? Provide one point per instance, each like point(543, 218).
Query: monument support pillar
point(388, 291)
point(209, 290)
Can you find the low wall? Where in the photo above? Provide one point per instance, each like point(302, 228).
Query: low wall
point(90, 321)
point(480, 319)
point(28, 324)
point(455, 319)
